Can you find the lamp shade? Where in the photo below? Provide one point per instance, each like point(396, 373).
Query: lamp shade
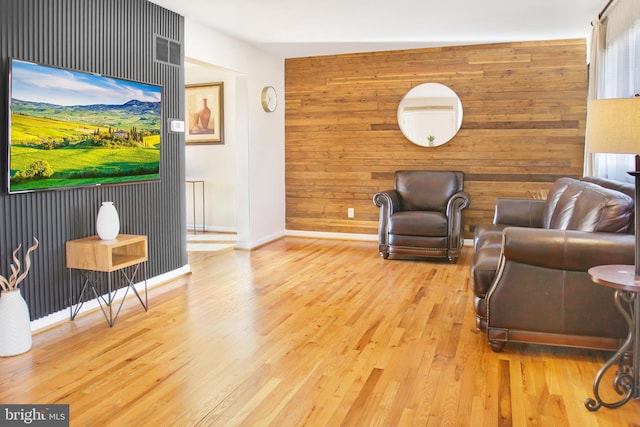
point(613, 126)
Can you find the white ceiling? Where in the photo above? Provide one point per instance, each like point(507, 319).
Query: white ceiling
point(296, 28)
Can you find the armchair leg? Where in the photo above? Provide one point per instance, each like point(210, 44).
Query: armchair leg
point(453, 254)
point(384, 250)
point(481, 324)
point(497, 346)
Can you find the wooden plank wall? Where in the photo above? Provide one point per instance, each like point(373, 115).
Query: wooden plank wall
point(524, 118)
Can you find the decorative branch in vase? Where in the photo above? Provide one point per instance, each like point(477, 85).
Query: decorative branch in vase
point(15, 279)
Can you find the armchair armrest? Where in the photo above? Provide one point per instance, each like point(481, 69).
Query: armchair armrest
point(519, 212)
point(388, 202)
point(567, 249)
point(457, 203)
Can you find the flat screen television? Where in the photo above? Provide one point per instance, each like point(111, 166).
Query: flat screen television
point(70, 129)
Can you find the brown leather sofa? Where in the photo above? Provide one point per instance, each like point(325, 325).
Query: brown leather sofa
point(529, 269)
point(422, 215)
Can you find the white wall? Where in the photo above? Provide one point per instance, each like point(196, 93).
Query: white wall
point(215, 164)
point(258, 135)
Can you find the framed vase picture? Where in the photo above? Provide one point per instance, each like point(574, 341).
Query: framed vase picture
point(204, 115)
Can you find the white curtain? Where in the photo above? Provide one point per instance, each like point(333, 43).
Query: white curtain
point(596, 57)
point(615, 73)
point(621, 62)
point(596, 54)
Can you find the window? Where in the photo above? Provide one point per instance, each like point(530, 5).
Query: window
point(618, 76)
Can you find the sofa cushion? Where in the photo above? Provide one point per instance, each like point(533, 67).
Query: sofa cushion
point(483, 267)
point(487, 234)
point(583, 206)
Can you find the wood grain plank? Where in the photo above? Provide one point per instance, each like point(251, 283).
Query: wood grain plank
point(524, 115)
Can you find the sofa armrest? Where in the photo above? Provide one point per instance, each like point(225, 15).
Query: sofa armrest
point(566, 249)
point(519, 212)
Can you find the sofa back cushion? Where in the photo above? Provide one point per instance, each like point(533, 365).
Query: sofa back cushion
point(624, 187)
point(583, 206)
point(557, 190)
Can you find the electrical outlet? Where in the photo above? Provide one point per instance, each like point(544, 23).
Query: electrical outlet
point(350, 213)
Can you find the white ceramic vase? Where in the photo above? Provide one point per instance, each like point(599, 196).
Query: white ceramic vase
point(107, 222)
point(15, 324)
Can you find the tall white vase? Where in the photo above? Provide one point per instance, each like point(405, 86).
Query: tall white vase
point(107, 222)
point(15, 324)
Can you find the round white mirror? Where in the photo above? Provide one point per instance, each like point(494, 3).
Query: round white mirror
point(430, 114)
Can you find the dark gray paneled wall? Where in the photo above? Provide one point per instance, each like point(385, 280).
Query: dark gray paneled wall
point(114, 38)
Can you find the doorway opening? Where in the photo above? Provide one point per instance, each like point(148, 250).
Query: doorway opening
point(211, 168)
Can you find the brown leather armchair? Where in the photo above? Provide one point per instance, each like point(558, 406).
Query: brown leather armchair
point(422, 215)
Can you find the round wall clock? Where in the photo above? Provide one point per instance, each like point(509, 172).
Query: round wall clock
point(269, 99)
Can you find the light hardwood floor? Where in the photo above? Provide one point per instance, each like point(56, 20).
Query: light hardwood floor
point(305, 332)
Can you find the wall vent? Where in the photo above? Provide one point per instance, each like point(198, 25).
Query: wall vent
point(168, 51)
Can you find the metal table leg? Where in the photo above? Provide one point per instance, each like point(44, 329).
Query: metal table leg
point(626, 382)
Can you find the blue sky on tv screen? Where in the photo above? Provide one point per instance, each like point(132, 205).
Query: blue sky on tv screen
point(39, 83)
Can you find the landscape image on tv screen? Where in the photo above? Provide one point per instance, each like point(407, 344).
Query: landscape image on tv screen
point(74, 129)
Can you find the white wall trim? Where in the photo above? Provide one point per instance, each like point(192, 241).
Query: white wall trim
point(344, 236)
point(64, 315)
point(260, 242)
point(212, 228)
point(328, 235)
point(218, 229)
point(305, 233)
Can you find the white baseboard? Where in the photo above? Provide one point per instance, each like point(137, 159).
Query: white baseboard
point(338, 236)
point(212, 228)
point(317, 235)
point(345, 236)
point(300, 233)
point(260, 242)
point(62, 315)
